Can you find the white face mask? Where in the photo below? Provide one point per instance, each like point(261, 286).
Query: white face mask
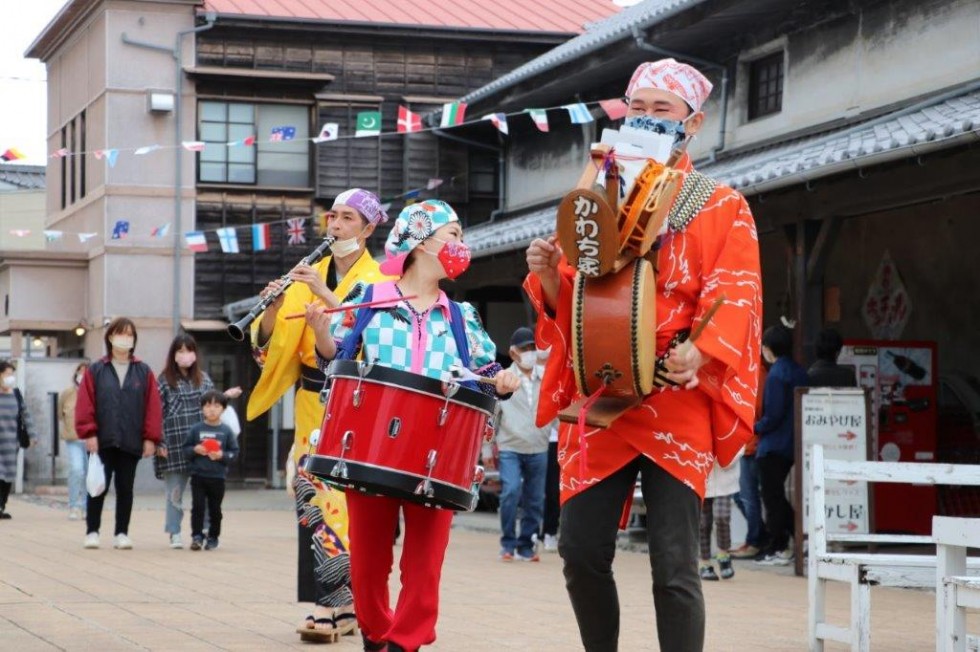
point(78, 378)
point(10, 381)
point(122, 342)
point(527, 359)
point(343, 248)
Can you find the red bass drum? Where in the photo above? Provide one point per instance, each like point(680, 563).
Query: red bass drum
point(403, 435)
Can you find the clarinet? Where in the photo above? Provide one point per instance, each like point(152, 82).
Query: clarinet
point(237, 329)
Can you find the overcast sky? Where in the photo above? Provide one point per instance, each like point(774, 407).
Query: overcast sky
point(23, 112)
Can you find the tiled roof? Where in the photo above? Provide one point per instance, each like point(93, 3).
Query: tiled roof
point(24, 177)
point(567, 16)
point(941, 122)
point(511, 233)
point(908, 132)
point(613, 28)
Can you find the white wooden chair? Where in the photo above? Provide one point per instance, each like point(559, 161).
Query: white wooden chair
point(955, 591)
point(863, 570)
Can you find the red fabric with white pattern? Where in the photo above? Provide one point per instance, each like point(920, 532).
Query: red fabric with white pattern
point(684, 81)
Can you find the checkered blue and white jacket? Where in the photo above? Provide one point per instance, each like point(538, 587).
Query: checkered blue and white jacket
point(422, 343)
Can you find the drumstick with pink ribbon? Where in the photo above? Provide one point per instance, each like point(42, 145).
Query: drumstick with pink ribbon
point(366, 304)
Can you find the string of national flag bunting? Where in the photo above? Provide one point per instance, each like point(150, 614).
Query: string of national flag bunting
point(368, 124)
point(197, 241)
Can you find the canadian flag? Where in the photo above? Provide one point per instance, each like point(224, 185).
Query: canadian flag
point(408, 121)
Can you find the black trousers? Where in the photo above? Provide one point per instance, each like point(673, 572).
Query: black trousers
point(589, 524)
point(122, 466)
point(4, 493)
point(552, 505)
point(206, 493)
point(773, 470)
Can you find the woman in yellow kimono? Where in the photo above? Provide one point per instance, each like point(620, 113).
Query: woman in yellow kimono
point(285, 351)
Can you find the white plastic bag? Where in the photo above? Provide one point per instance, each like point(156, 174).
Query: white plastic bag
point(95, 480)
point(230, 418)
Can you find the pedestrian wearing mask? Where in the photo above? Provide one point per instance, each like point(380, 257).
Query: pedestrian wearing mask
point(523, 454)
point(74, 447)
point(182, 384)
point(118, 416)
point(16, 431)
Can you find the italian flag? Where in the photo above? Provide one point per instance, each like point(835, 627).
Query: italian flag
point(540, 117)
point(452, 114)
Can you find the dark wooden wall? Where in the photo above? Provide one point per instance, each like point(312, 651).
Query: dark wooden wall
point(415, 69)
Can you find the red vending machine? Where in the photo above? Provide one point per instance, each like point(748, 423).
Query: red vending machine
point(903, 379)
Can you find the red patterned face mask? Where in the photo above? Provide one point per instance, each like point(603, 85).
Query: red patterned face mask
point(454, 257)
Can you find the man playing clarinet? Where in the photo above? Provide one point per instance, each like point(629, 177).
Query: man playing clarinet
point(673, 437)
point(285, 350)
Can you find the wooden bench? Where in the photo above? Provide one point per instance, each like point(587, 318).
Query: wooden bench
point(955, 591)
point(864, 570)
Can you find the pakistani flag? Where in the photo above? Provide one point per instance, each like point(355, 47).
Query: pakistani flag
point(368, 124)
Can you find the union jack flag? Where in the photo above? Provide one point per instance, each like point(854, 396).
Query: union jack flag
point(296, 230)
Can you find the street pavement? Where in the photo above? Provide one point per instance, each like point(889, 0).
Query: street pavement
point(56, 596)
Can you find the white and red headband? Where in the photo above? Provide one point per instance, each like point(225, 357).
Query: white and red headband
point(684, 81)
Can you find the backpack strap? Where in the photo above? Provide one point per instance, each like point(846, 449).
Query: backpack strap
point(347, 350)
point(458, 325)
point(351, 343)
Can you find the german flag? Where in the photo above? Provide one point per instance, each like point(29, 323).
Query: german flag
point(12, 154)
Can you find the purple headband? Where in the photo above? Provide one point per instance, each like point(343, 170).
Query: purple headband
point(364, 202)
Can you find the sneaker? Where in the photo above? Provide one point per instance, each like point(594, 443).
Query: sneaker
point(176, 542)
point(707, 572)
point(91, 541)
point(212, 544)
point(4, 516)
point(122, 542)
point(550, 543)
point(725, 568)
point(744, 551)
point(74, 514)
point(528, 555)
point(506, 555)
point(781, 558)
point(197, 543)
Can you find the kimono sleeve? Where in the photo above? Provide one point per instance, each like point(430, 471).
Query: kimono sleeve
point(343, 321)
point(553, 331)
point(482, 349)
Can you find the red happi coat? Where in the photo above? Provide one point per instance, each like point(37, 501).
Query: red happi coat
point(683, 431)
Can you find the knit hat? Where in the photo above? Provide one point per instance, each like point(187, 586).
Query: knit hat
point(414, 224)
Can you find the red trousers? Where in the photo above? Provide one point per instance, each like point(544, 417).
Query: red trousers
point(412, 624)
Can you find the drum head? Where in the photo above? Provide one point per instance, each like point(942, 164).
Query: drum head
point(643, 325)
point(614, 331)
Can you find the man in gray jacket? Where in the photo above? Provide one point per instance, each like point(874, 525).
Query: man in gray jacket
point(523, 454)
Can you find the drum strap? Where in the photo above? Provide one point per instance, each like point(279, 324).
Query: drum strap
point(349, 346)
point(693, 195)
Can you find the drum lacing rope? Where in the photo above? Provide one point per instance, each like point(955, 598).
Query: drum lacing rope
point(583, 445)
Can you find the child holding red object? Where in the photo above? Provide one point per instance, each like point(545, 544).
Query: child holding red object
point(415, 335)
point(210, 446)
